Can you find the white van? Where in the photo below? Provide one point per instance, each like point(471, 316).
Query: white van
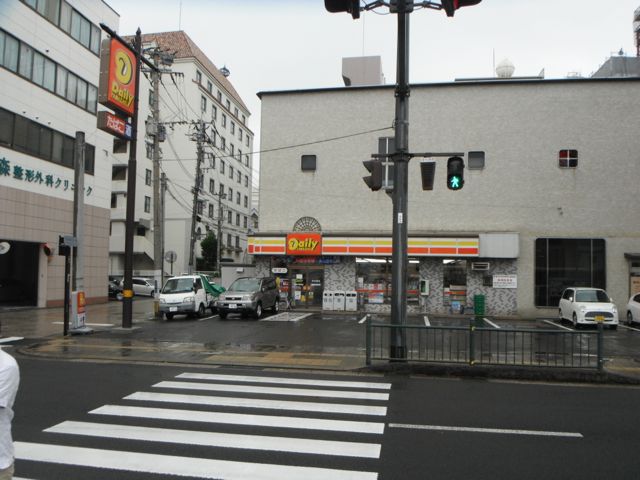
point(186, 294)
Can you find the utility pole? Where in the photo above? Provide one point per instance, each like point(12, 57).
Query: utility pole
point(397, 345)
point(158, 225)
point(219, 242)
point(196, 190)
point(127, 300)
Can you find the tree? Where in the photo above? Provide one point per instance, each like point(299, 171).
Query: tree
point(209, 249)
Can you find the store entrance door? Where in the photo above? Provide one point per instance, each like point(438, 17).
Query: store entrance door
point(307, 286)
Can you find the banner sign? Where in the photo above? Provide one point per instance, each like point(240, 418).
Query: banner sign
point(117, 76)
point(304, 244)
point(114, 125)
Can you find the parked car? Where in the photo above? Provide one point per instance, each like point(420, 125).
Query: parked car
point(141, 286)
point(115, 290)
point(189, 294)
point(633, 309)
point(249, 295)
point(584, 306)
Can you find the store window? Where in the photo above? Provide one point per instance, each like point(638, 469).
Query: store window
point(567, 262)
point(374, 280)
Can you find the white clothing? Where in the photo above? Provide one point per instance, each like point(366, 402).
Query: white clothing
point(9, 381)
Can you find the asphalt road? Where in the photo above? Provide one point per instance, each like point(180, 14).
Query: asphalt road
point(291, 424)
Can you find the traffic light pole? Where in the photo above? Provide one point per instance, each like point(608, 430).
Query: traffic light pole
point(397, 343)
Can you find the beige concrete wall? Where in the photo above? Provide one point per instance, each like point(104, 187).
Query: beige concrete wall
point(32, 217)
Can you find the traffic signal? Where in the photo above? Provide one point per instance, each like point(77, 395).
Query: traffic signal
point(374, 181)
point(350, 6)
point(427, 172)
point(455, 173)
point(450, 6)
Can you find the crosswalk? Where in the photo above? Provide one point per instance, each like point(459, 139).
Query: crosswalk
point(221, 426)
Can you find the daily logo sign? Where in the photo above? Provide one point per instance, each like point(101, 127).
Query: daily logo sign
point(117, 76)
point(304, 244)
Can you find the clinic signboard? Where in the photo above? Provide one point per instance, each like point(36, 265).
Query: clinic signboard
point(304, 244)
point(118, 67)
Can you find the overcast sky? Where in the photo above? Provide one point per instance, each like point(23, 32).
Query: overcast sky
point(296, 44)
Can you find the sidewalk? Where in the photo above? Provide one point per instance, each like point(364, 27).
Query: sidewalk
point(193, 342)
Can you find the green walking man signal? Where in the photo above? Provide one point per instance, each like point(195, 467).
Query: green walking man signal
point(455, 173)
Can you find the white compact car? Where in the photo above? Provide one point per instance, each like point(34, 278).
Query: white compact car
point(633, 309)
point(587, 306)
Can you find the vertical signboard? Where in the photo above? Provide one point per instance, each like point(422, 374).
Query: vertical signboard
point(117, 76)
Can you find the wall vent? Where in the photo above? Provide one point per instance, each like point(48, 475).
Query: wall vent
point(479, 265)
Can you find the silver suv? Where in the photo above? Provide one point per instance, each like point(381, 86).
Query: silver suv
point(249, 295)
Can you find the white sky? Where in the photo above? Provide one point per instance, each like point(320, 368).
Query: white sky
point(296, 44)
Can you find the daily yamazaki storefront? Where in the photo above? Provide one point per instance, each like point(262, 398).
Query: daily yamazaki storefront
point(443, 272)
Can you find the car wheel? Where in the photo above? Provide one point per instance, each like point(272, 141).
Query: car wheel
point(613, 327)
point(169, 316)
point(201, 310)
point(151, 293)
point(276, 306)
point(575, 321)
point(223, 315)
point(560, 315)
point(258, 312)
point(629, 318)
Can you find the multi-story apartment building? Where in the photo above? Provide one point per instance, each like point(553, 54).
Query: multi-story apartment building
point(552, 202)
point(193, 95)
point(49, 68)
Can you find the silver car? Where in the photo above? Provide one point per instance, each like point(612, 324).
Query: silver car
point(633, 309)
point(249, 295)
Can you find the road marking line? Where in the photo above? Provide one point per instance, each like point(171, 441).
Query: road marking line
point(178, 466)
point(487, 430)
point(549, 322)
point(305, 392)
point(491, 323)
point(10, 339)
point(629, 328)
point(241, 419)
point(285, 380)
point(364, 319)
point(426, 321)
point(216, 439)
point(89, 324)
point(258, 403)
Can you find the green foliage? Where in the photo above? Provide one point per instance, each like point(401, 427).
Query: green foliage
point(209, 248)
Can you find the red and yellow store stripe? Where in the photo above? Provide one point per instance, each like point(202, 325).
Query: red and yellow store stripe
point(374, 246)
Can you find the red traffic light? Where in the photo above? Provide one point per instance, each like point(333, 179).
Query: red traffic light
point(350, 6)
point(450, 6)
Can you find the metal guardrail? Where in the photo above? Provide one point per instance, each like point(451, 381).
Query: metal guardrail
point(488, 346)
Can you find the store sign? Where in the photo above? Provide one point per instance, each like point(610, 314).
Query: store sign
point(114, 125)
point(278, 270)
point(117, 76)
point(304, 244)
point(505, 281)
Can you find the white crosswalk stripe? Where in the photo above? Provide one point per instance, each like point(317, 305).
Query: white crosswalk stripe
point(342, 419)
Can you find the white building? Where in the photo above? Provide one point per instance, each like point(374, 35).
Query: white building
point(195, 90)
point(552, 203)
point(49, 67)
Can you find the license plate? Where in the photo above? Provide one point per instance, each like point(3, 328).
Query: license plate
point(173, 309)
point(232, 306)
point(599, 318)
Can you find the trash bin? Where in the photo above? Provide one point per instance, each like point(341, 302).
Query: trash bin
point(338, 300)
point(351, 301)
point(327, 300)
point(478, 305)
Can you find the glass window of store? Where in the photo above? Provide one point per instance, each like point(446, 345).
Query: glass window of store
point(374, 280)
point(567, 262)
